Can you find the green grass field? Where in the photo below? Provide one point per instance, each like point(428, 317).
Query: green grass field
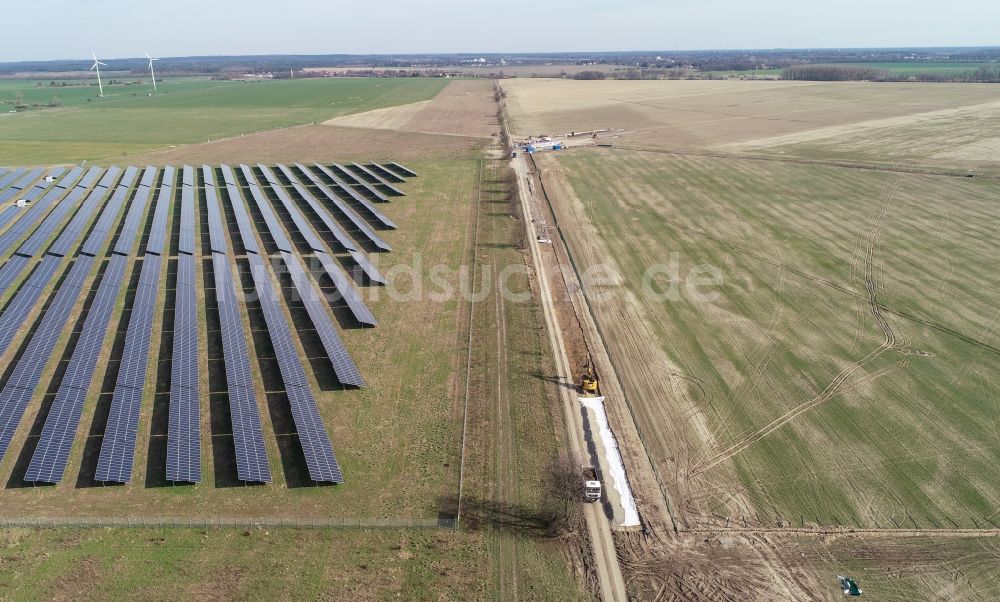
point(785, 398)
point(126, 121)
point(259, 564)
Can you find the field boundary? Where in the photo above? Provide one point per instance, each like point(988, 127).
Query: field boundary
point(468, 360)
point(210, 522)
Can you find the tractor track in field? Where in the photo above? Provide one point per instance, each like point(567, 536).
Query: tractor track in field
point(506, 448)
point(872, 285)
point(894, 168)
point(822, 281)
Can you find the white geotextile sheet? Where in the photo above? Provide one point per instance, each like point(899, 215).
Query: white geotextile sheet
point(614, 460)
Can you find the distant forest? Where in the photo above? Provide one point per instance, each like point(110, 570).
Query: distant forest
point(987, 73)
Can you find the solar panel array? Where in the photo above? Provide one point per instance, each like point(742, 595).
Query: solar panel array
point(12, 318)
point(91, 202)
point(371, 210)
point(357, 181)
point(316, 447)
point(48, 463)
point(300, 221)
point(343, 240)
point(27, 179)
point(344, 367)
point(248, 435)
point(243, 221)
point(370, 271)
point(345, 290)
point(378, 179)
point(20, 387)
point(243, 218)
point(34, 213)
point(349, 213)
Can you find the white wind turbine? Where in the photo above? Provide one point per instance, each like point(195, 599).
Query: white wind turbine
point(97, 65)
point(151, 73)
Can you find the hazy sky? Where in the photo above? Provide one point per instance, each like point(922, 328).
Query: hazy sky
point(61, 29)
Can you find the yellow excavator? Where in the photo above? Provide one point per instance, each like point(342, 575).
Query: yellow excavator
point(588, 381)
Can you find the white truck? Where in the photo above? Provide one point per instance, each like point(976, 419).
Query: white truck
point(591, 484)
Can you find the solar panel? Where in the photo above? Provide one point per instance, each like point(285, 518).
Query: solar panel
point(216, 229)
point(187, 176)
point(343, 240)
point(320, 459)
point(29, 368)
point(183, 433)
point(118, 446)
point(13, 317)
point(90, 177)
point(346, 211)
point(48, 464)
point(396, 167)
point(248, 436)
point(8, 214)
point(130, 229)
point(109, 216)
point(243, 221)
point(360, 181)
point(10, 176)
point(300, 221)
point(346, 291)
point(158, 229)
point(346, 188)
point(378, 179)
point(103, 227)
point(11, 270)
point(343, 366)
point(264, 206)
point(187, 239)
point(369, 270)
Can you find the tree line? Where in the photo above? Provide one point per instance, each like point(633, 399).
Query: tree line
point(988, 73)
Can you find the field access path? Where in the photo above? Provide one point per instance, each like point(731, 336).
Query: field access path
point(609, 573)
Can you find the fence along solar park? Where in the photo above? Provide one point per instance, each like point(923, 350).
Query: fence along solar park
point(63, 224)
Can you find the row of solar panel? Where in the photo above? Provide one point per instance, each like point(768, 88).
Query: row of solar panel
point(118, 445)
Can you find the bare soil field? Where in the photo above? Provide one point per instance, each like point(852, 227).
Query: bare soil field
point(941, 120)
point(462, 108)
point(843, 372)
point(313, 143)
point(736, 566)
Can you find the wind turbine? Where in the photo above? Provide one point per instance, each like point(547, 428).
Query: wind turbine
point(153, 75)
point(97, 65)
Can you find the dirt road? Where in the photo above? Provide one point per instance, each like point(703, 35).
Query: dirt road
point(606, 558)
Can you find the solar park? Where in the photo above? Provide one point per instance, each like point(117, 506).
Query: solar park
point(73, 220)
